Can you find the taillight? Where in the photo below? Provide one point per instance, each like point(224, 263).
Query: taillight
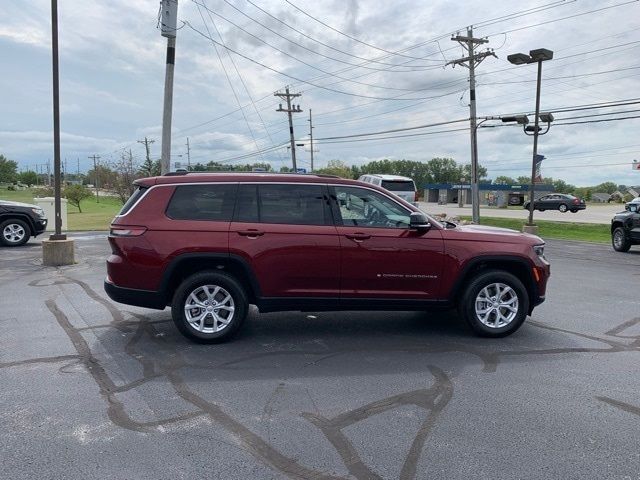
point(576, 201)
point(127, 231)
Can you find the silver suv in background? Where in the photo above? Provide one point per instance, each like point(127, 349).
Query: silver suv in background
point(404, 187)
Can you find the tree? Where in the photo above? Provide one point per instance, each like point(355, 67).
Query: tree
point(75, 194)
point(504, 180)
point(125, 172)
point(561, 186)
point(29, 177)
point(149, 168)
point(608, 187)
point(444, 170)
point(335, 167)
point(466, 172)
point(8, 170)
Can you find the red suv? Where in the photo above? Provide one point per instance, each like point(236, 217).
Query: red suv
point(211, 244)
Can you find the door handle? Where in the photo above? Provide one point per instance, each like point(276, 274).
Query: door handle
point(250, 233)
point(358, 237)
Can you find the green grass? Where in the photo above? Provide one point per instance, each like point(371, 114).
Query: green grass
point(94, 216)
point(585, 232)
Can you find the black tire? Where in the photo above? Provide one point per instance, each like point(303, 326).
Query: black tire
point(619, 240)
point(541, 209)
point(14, 232)
point(196, 284)
point(573, 210)
point(473, 290)
point(563, 208)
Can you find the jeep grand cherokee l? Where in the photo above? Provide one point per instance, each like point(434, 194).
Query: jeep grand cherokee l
point(209, 245)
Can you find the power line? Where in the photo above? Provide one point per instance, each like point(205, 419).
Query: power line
point(565, 18)
point(298, 59)
point(367, 60)
point(294, 77)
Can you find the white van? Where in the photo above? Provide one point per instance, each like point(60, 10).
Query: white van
point(404, 187)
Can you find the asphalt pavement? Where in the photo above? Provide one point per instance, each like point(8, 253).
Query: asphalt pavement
point(94, 389)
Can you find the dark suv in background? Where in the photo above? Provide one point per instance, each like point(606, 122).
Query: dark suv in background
point(209, 245)
point(19, 222)
point(625, 227)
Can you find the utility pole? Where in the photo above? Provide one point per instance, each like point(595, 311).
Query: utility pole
point(78, 171)
point(311, 137)
point(188, 156)
point(169, 10)
point(146, 142)
point(95, 174)
point(289, 110)
point(471, 61)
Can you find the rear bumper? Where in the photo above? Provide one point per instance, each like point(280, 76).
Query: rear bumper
point(132, 296)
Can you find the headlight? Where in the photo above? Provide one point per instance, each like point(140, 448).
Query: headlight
point(539, 250)
point(38, 211)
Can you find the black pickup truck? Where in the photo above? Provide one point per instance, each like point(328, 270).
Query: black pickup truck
point(625, 227)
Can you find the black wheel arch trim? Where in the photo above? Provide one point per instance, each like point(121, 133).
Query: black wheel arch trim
point(175, 263)
point(473, 263)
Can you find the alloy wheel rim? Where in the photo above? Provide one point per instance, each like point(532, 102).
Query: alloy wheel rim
point(209, 309)
point(617, 239)
point(13, 233)
point(496, 305)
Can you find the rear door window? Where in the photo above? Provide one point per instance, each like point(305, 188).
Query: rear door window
point(212, 202)
point(283, 203)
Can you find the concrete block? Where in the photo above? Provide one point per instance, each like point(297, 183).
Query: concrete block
point(57, 252)
point(532, 229)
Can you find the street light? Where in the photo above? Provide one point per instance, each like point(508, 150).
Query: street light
point(535, 56)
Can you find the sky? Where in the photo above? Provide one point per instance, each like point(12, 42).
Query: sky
point(361, 67)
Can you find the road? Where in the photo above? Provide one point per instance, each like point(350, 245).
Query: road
point(598, 213)
point(93, 389)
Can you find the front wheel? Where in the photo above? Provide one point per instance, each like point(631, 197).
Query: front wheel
point(562, 208)
point(14, 233)
point(209, 307)
point(495, 304)
point(620, 241)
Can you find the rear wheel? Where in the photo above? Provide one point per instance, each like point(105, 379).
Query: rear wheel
point(541, 209)
point(562, 208)
point(495, 304)
point(620, 241)
point(209, 307)
point(14, 233)
point(574, 210)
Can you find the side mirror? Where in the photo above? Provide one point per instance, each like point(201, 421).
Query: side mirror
point(418, 221)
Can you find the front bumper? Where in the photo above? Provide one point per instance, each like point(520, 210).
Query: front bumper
point(40, 226)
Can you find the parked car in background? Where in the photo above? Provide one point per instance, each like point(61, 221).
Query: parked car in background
point(404, 187)
point(19, 222)
point(210, 245)
point(625, 227)
point(557, 201)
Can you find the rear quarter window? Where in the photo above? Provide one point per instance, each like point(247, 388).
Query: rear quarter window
point(212, 202)
point(135, 196)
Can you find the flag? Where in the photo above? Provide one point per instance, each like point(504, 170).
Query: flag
point(538, 162)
